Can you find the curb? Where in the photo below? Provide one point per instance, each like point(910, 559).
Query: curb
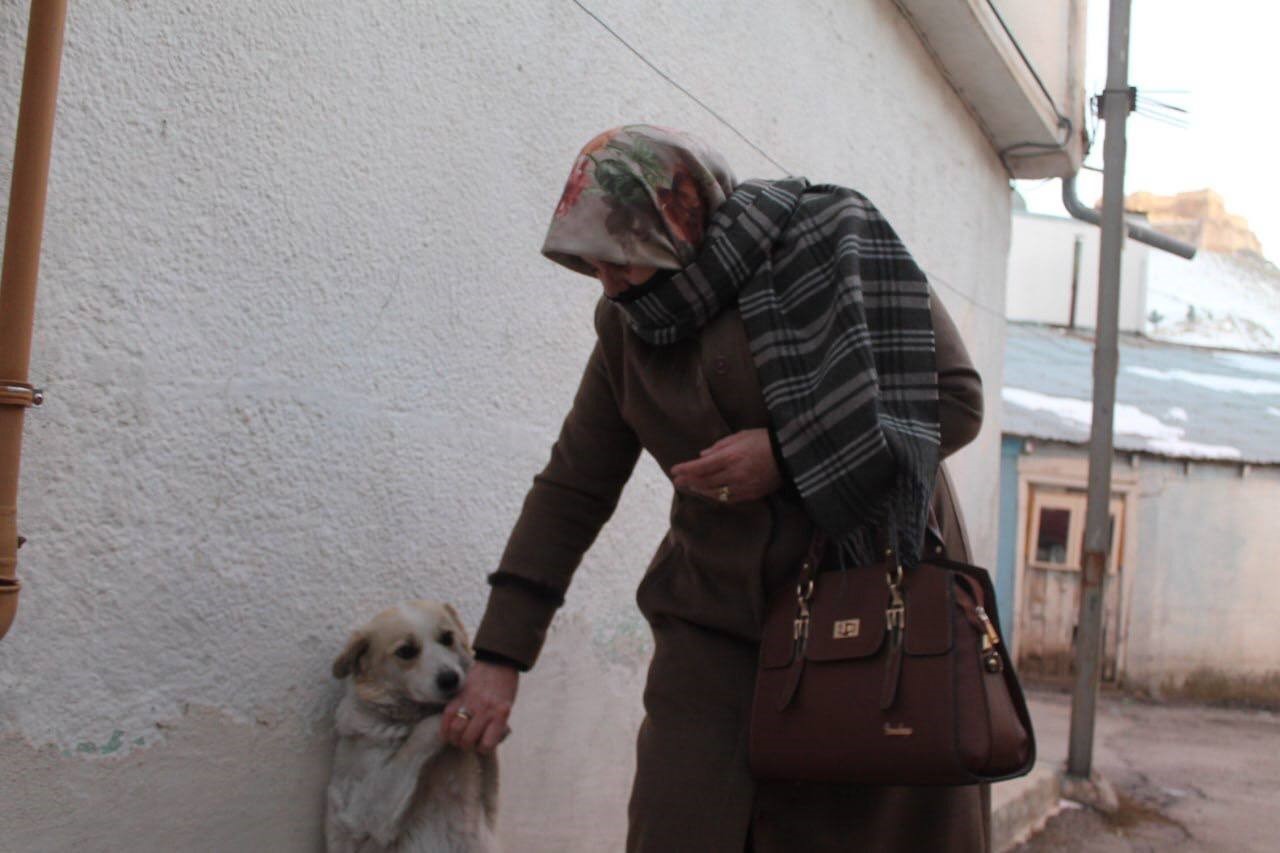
point(1020, 807)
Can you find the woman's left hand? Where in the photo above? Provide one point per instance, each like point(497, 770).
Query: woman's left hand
point(738, 467)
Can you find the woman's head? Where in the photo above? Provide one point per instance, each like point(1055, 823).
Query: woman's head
point(638, 199)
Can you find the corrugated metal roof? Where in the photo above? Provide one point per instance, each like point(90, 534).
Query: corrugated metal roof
point(1171, 400)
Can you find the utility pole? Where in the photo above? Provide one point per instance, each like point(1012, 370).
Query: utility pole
point(1116, 104)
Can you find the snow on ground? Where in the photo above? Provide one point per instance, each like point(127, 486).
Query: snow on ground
point(1231, 301)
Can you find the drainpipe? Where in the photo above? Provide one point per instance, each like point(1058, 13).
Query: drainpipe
point(18, 276)
point(1137, 231)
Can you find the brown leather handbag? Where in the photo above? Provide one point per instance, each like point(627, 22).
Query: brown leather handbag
point(875, 676)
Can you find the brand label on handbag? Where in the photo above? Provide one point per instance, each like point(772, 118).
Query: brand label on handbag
point(899, 730)
point(846, 628)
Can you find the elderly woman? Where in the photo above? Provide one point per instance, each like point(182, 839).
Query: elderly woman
point(777, 351)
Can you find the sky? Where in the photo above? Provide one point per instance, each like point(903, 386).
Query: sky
point(1222, 59)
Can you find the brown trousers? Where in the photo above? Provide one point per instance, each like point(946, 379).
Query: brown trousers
point(693, 790)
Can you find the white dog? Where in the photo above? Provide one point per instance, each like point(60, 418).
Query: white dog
point(396, 784)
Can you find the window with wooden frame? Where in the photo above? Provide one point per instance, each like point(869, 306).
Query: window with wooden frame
point(1056, 530)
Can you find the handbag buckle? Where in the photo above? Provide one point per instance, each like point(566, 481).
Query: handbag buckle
point(804, 592)
point(896, 614)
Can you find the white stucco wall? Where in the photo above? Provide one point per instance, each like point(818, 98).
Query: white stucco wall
point(1204, 595)
point(1040, 263)
point(302, 358)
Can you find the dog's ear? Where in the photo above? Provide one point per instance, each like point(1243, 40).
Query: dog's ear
point(349, 661)
point(460, 630)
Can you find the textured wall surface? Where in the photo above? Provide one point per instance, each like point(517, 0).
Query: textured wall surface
point(1204, 593)
point(302, 358)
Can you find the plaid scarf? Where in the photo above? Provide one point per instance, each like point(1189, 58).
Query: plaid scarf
point(837, 317)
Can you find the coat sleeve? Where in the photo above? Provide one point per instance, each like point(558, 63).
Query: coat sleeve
point(570, 500)
point(959, 385)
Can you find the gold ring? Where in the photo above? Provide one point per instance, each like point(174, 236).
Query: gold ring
point(464, 714)
point(722, 494)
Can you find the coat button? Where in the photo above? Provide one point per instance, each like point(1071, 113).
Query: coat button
point(720, 365)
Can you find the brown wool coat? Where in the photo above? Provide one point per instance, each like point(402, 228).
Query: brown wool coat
point(704, 595)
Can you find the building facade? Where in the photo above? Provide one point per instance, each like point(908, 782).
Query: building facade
point(302, 358)
point(1187, 597)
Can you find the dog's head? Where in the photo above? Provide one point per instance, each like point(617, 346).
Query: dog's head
point(409, 659)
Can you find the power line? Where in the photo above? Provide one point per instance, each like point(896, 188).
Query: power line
point(1018, 47)
point(932, 277)
point(937, 279)
point(687, 93)
point(1063, 121)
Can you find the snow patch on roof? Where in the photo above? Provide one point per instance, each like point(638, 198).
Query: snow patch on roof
point(1159, 437)
point(1252, 363)
point(1173, 400)
point(1193, 449)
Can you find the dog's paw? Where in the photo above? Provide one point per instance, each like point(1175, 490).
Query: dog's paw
point(426, 736)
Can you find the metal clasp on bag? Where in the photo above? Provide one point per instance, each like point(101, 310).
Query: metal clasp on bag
point(804, 592)
point(990, 639)
point(896, 614)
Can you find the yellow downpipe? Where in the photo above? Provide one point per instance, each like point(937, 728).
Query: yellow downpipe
point(21, 264)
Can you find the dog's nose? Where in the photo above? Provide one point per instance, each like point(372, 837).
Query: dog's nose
point(447, 679)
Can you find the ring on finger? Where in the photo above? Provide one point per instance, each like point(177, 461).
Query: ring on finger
point(464, 714)
point(722, 494)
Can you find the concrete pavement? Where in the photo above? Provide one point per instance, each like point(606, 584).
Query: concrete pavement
point(1190, 778)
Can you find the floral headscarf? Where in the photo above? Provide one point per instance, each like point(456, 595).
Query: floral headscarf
point(638, 194)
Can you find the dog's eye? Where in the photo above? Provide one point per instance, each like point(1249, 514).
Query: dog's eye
point(407, 652)
point(446, 639)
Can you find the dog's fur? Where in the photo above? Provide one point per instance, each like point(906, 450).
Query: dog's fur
point(396, 785)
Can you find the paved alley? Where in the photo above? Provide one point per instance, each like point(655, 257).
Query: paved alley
point(1190, 778)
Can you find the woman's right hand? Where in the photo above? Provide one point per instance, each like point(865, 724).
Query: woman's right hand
point(488, 694)
point(738, 467)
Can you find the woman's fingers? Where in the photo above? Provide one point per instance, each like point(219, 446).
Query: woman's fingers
point(703, 466)
point(450, 728)
point(464, 719)
point(742, 461)
point(724, 442)
point(494, 734)
point(487, 697)
point(475, 730)
point(706, 472)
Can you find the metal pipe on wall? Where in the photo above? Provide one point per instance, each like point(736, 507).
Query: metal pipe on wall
point(1136, 231)
point(23, 233)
